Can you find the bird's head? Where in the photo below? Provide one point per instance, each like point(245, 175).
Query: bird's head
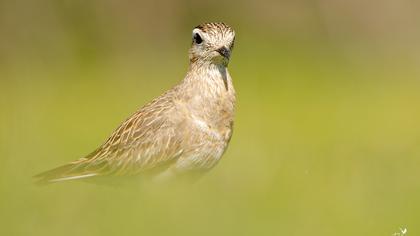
point(212, 43)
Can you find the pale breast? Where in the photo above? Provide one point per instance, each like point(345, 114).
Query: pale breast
point(205, 111)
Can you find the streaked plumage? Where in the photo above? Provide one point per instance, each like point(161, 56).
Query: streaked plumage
point(186, 129)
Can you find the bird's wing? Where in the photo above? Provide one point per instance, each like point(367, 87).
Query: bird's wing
point(150, 138)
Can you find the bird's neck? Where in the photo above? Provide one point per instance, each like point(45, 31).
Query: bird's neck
point(209, 81)
point(214, 75)
point(205, 66)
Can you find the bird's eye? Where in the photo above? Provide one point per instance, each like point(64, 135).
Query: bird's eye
point(197, 38)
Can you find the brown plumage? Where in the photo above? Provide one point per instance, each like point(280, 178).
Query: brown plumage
point(185, 130)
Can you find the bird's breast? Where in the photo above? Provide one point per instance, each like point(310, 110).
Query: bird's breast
point(208, 101)
point(214, 113)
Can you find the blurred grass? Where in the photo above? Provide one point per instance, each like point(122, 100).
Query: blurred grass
point(326, 138)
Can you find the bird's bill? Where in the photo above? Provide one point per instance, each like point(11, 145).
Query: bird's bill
point(224, 51)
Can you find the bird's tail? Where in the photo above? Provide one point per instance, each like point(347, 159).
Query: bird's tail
point(71, 171)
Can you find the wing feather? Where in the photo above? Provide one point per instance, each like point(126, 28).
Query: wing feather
point(150, 138)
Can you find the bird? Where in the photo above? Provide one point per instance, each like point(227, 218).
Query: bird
point(183, 132)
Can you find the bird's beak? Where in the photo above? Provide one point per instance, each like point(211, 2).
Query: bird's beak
point(224, 52)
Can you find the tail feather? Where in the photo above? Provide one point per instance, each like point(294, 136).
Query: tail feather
point(70, 171)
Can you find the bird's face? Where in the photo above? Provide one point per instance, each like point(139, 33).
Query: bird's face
point(213, 43)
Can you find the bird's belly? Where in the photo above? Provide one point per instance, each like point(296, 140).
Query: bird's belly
point(203, 146)
point(202, 158)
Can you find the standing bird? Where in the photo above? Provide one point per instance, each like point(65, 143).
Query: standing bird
point(185, 130)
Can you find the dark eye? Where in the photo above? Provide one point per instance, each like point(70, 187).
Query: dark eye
point(197, 38)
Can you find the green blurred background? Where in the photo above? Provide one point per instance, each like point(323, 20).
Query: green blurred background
point(327, 132)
